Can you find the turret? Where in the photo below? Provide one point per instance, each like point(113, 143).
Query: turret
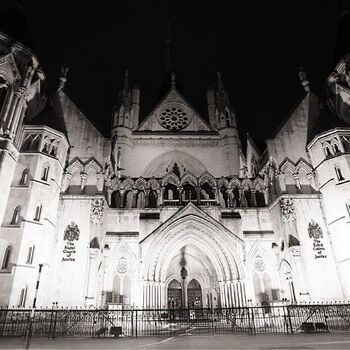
point(224, 112)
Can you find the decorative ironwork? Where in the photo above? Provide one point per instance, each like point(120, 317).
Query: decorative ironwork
point(83, 323)
point(72, 232)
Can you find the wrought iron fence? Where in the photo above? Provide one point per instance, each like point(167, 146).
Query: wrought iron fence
point(91, 323)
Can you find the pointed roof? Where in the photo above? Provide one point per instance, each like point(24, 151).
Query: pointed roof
point(63, 115)
point(173, 96)
point(190, 210)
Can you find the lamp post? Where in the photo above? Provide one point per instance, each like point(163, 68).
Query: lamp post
point(31, 319)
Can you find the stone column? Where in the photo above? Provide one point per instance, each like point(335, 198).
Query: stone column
point(122, 196)
point(253, 197)
point(100, 182)
point(134, 198)
point(216, 192)
point(180, 188)
point(160, 195)
point(147, 198)
point(198, 193)
point(266, 196)
point(297, 181)
point(92, 278)
point(282, 182)
point(229, 197)
point(20, 103)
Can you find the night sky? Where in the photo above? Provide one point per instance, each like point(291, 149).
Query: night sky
point(257, 45)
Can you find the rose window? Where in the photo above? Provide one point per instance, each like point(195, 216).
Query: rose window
point(174, 117)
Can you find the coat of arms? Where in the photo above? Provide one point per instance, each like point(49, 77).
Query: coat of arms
point(314, 230)
point(71, 233)
point(122, 265)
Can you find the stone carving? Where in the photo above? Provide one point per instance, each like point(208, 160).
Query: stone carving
point(259, 264)
point(96, 213)
point(287, 210)
point(71, 232)
point(314, 230)
point(122, 266)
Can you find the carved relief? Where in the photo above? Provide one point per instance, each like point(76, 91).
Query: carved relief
point(287, 210)
point(314, 230)
point(96, 213)
point(122, 265)
point(259, 264)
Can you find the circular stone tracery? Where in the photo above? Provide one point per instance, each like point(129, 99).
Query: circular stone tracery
point(174, 116)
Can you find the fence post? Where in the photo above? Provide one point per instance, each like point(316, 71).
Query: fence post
point(289, 319)
point(30, 329)
point(132, 323)
point(253, 321)
point(136, 325)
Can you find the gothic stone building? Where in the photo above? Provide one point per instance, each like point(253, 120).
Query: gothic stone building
point(172, 211)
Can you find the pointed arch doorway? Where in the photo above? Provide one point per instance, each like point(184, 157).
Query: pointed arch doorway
point(194, 294)
point(178, 295)
point(175, 294)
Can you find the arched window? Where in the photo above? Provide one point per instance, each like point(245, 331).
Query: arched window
point(223, 197)
point(38, 210)
point(7, 258)
point(260, 199)
point(152, 199)
point(189, 193)
point(24, 177)
point(328, 151)
point(22, 297)
point(15, 215)
point(30, 254)
point(45, 172)
point(336, 148)
point(339, 173)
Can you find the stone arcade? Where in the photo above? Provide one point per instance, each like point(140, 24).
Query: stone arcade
point(171, 211)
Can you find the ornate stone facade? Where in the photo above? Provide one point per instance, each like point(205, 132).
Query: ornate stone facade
point(169, 212)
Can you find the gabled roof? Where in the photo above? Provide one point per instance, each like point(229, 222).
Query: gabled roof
point(150, 123)
point(191, 210)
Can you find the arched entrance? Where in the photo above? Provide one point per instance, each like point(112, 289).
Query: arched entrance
point(174, 294)
point(194, 294)
point(194, 252)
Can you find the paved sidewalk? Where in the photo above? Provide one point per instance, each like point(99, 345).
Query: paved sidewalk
point(226, 341)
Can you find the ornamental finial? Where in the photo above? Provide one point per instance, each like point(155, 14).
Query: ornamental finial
point(304, 82)
point(63, 77)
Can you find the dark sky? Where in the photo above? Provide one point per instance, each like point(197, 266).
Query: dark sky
point(257, 45)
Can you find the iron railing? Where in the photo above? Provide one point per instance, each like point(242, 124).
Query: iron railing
point(90, 323)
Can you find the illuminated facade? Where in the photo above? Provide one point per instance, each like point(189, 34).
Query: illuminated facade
point(170, 211)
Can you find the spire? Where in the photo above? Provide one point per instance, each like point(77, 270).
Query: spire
point(173, 81)
point(126, 97)
point(304, 82)
point(221, 94)
point(220, 85)
point(63, 77)
point(126, 80)
point(168, 60)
